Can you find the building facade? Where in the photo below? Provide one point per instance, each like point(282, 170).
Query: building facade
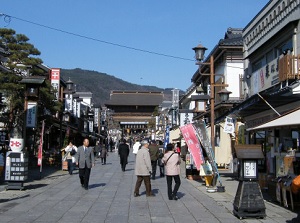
point(272, 62)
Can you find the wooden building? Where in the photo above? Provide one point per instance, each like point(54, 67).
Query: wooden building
point(133, 110)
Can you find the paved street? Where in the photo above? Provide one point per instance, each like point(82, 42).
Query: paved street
point(60, 198)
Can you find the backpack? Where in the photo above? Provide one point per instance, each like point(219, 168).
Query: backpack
point(73, 152)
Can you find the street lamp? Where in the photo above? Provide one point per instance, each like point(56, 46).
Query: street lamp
point(224, 94)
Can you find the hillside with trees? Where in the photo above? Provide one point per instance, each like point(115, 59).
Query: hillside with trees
point(101, 84)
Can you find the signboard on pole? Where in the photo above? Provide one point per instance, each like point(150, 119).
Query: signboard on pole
point(190, 137)
point(229, 125)
point(31, 114)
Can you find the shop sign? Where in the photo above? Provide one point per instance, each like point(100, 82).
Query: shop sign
point(31, 114)
point(229, 125)
point(55, 81)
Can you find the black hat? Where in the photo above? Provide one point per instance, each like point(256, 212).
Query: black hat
point(170, 146)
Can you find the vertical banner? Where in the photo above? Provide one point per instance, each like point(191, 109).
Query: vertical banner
point(91, 126)
point(186, 118)
point(96, 117)
point(69, 102)
point(190, 137)
point(55, 78)
point(229, 125)
point(204, 138)
point(40, 152)
point(31, 114)
point(167, 137)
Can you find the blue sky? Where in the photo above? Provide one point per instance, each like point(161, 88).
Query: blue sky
point(169, 27)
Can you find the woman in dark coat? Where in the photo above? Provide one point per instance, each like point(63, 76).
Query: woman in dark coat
point(103, 154)
point(123, 151)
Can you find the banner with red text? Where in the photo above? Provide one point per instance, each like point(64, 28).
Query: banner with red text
point(55, 81)
point(190, 137)
point(40, 151)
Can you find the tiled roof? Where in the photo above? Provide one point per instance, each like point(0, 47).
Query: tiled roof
point(135, 98)
point(233, 37)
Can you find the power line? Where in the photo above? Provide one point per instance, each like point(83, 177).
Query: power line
point(7, 19)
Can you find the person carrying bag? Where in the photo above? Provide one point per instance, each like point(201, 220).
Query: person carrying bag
point(172, 167)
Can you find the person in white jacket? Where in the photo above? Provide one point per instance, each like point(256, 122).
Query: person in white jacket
point(136, 147)
point(71, 151)
point(172, 160)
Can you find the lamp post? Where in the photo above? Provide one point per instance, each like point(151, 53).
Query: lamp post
point(224, 94)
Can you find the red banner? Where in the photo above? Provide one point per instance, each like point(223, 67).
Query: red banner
point(193, 144)
point(40, 152)
point(55, 81)
point(55, 74)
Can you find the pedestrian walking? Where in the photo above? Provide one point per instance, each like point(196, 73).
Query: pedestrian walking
point(97, 150)
point(111, 144)
point(123, 151)
point(143, 169)
point(70, 154)
point(136, 147)
point(172, 167)
point(85, 162)
point(161, 163)
point(178, 148)
point(103, 154)
point(154, 154)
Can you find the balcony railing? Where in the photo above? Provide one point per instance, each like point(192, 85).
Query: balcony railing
point(289, 67)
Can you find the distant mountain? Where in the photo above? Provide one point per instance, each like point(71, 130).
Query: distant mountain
point(101, 84)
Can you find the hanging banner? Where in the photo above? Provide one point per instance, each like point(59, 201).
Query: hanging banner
point(190, 137)
point(167, 137)
point(55, 78)
point(204, 138)
point(229, 125)
point(40, 151)
point(186, 118)
point(31, 113)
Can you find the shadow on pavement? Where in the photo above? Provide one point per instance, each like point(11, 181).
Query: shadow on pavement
point(34, 186)
point(7, 206)
point(35, 174)
point(294, 220)
point(97, 185)
point(11, 204)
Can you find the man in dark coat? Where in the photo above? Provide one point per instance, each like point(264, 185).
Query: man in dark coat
point(123, 151)
point(154, 154)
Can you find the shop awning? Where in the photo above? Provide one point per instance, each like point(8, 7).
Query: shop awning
point(174, 134)
point(255, 104)
point(289, 119)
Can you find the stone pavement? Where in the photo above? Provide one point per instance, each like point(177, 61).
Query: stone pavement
point(58, 197)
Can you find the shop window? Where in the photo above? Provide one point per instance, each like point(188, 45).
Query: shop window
point(257, 65)
point(269, 56)
point(217, 135)
point(295, 139)
point(260, 137)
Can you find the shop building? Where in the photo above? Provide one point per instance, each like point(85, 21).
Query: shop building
point(271, 80)
point(133, 110)
point(226, 71)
